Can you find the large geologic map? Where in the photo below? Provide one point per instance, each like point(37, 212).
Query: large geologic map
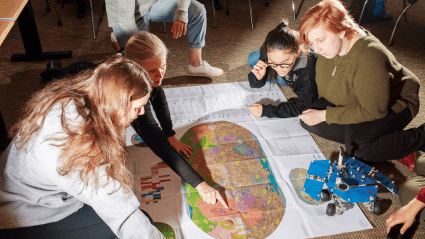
point(258, 164)
point(230, 158)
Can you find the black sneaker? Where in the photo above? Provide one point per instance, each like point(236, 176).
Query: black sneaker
point(53, 71)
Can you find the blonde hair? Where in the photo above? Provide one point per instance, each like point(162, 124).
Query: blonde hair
point(144, 46)
point(98, 141)
point(332, 15)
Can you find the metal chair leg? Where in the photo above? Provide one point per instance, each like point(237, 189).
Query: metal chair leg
point(56, 10)
point(293, 10)
point(92, 20)
point(227, 7)
point(47, 6)
point(299, 8)
point(213, 11)
point(361, 14)
point(250, 13)
point(396, 24)
point(100, 8)
point(164, 26)
point(404, 6)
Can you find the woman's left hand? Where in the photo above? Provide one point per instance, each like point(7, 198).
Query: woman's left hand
point(178, 29)
point(210, 195)
point(405, 215)
point(312, 117)
point(256, 109)
point(182, 148)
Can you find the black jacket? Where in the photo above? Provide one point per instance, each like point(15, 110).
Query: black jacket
point(156, 138)
point(301, 79)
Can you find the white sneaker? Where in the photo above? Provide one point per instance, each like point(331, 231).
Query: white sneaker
point(204, 70)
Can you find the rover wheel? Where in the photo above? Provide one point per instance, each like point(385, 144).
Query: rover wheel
point(325, 195)
point(376, 208)
point(330, 209)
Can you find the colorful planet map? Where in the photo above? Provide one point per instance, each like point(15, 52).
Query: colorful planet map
point(297, 178)
point(230, 158)
point(165, 229)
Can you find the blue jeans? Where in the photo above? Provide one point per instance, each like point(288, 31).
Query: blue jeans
point(163, 11)
point(253, 59)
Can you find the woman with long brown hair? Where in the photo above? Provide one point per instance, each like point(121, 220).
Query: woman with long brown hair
point(64, 174)
point(151, 53)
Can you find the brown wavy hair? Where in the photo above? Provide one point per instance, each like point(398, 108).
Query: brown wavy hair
point(99, 139)
point(332, 15)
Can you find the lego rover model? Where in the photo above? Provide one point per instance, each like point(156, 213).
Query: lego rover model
point(347, 181)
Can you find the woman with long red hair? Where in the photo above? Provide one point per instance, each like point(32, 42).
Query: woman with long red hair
point(64, 174)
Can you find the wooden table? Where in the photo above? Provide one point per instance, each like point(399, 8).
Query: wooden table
point(5, 26)
point(21, 11)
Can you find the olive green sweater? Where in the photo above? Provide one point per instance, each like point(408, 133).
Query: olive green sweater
point(368, 82)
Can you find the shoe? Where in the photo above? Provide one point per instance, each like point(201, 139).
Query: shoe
point(409, 161)
point(204, 70)
point(81, 11)
point(53, 71)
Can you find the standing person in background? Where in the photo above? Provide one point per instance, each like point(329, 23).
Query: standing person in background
point(64, 174)
point(283, 60)
point(127, 17)
point(366, 97)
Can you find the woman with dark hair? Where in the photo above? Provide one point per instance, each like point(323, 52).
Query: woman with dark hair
point(283, 60)
point(366, 97)
point(64, 174)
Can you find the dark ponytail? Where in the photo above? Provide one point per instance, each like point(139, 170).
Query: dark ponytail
point(281, 38)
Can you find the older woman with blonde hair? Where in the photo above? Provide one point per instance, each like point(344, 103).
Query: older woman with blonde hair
point(64, 174)
point(366, 97)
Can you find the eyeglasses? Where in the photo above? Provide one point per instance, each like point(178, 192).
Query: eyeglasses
point(282, 65)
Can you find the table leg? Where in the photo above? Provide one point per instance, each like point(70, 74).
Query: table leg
point(31, 39)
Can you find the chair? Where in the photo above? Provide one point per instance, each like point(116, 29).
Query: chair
point(250, 10)
point(56, 9)
point(411, 2)
point(91, 13)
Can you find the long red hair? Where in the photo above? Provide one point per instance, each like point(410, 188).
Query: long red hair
point(99, 139)
point(332, 15)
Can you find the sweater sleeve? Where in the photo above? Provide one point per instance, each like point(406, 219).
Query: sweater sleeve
point(182, 11)
point(371, 86)
point(253, 82)
point(306, 90)
point(120, 211)
point(148, 129)
point(162, 112)
point(421, 195)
